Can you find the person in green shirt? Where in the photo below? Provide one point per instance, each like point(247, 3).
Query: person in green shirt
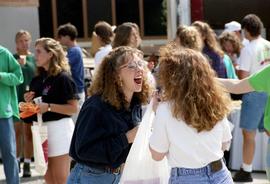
point(260, 82)
point(10, 76)
point(23, 130)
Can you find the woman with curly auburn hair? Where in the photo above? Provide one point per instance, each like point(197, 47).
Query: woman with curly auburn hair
point(211, 48)
point(107, 123)
point(190, 127)
point(59, 102)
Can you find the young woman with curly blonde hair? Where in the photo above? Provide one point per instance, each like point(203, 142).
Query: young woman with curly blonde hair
point(107, 123)
point(190, 127)
point(188, 37)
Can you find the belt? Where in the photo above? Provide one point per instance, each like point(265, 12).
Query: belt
point(211, 167)
point(113, 170)
point(216, 165)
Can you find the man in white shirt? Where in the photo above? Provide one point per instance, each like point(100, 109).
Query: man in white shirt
point(104, 33)
point(254, 56)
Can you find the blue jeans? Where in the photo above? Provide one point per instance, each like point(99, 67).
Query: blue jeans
point(8, 150)
point(82, 174)
point(202, 175)
point(268, 160)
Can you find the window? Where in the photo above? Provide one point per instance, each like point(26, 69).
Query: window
point(45, 18)
point(97, 11)
point(155, 17)
point(70, 11)
point(150, 15)
point(127, 11)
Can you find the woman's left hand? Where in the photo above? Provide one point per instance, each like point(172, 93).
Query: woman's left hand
point(43, 107)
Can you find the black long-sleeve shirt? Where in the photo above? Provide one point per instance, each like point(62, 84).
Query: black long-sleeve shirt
point(99, 138)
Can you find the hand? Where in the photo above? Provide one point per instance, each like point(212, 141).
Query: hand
point(22, 60)
point(131, 134)
point(28, 96)
point(43, 107)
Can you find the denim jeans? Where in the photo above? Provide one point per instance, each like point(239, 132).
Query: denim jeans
point(8, 150)
point(82, 174)
point(268, 160)
point(202, 175)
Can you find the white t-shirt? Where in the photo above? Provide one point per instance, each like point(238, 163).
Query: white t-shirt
point(245, 42)
point(103, 51)
point(185, 147)
point(255, 55)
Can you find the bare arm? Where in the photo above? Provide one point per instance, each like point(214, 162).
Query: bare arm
point(156, 155)
point(243, 74)
point(236, 86)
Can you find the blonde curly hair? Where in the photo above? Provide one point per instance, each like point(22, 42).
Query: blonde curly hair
point(58, 61)
point(107, 82)
point(189, 37)
point(189, 85)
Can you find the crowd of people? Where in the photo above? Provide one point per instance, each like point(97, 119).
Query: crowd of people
point(95, 127)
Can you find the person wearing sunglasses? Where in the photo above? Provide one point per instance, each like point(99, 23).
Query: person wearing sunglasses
point(108, 121)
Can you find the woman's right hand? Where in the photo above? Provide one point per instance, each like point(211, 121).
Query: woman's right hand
point(28, 96)
point(131, 134)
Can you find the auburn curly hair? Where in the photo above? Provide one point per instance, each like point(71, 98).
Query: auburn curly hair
point(189, 85)
point(107, 82)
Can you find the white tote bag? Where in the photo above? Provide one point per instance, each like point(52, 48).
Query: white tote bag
point(140, 168)
point(40, 145)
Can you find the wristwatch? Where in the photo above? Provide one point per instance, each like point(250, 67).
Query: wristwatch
point(49, 107)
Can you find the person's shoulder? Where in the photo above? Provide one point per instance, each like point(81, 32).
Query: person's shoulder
point(226, 57)
point(266, 42)
point(75, 49)
point(247, 49)
point(163, 108)
point(224, 123)
point(64, 75)
point(104, 50)
point(4, 50)
point(93, 102)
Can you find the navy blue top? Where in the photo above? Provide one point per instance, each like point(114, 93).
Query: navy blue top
point(75, 58)
point(216, 62)
point(99, 138)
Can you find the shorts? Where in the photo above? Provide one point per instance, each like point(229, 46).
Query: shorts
point(252, 111)
point(59, 136)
